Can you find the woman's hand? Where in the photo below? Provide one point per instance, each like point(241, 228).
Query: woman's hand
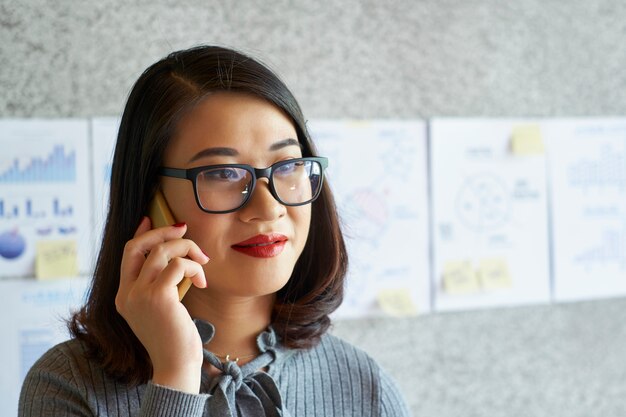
point(154, 262)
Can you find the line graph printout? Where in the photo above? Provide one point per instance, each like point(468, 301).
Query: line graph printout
point(377, 171)
point(490, 226)
point(44, 190)
point(588, 181)
point(104, 135)
point(37, 325)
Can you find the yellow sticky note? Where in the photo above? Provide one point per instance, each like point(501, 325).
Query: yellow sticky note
point(459, 278)
point(358, 123)
point(527, 140)
point(397, 302)
point(56, 258)
point(494, 274)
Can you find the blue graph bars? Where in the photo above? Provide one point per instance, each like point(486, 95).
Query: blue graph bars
point(58, 166)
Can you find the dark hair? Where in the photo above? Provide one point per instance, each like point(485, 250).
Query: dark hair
point(161, 96)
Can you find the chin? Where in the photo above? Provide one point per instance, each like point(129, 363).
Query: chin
point(250, 285)
point(262, 286)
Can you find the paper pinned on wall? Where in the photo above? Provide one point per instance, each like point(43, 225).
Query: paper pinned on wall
point(56, 259)
point(381, 192)
point(44, 191)
point(104, 136)
point(588, 206)
point(36, 321)
point(459, 277)
point(527, 140)
point(397, 302)
point(488, 203)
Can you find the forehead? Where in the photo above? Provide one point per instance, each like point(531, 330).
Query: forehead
point(240, 121)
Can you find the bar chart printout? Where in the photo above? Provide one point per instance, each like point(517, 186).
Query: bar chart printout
point(44, 191)
point(588, 182)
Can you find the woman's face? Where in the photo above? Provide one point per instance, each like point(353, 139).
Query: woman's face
point(238, 128)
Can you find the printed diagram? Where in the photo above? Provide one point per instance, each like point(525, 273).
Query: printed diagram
point(377, 174)
point(608, 170)
point(489, 213)
point(12, 244)
point(610, 250)
point(482, 203)
point(603, 173)
point(33, 343)
point(367, 215)
point(57, 166)
point(44, 197)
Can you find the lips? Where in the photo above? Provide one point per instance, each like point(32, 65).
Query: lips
point(262, 246)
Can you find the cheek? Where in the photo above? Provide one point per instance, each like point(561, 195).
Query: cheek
point(207, 231)
point(181, 200)
point(301, 223)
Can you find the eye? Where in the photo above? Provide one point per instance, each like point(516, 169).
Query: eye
point(224, 174)
point(289, 168)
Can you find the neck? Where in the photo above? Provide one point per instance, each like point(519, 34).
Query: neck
point(237, 320)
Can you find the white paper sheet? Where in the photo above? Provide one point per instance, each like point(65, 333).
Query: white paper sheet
point(588, 182)
point(377, 170)
point(488, 208)
point(44, 190)
point(36, 323)
point(104, 136)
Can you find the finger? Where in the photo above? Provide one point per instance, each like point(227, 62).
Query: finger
point(180, 247)
point(173, 274)
point(161, 255)
point(144, 226)
point(136, 249)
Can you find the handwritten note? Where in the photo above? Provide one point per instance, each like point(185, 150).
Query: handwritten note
point(397, 302)
point(55, 259)
point(459, 277)
point(527, 140)
point(494, 274)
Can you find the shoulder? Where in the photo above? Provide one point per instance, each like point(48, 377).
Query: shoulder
point(364, 370)
point(63, 359)
point(344, 376)
point(332, 358)
point(61, 363)
point(347, 356)
point(64, 379)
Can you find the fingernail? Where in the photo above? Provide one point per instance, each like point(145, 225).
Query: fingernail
point(207, 256)
point(180, 224)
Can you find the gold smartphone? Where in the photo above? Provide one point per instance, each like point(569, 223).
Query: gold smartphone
point(160, 215)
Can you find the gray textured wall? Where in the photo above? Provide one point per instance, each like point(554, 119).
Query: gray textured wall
point(381, 59)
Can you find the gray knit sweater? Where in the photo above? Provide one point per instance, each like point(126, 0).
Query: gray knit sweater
point(331, 379)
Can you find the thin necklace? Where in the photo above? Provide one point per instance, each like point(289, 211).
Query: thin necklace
point(227, 357)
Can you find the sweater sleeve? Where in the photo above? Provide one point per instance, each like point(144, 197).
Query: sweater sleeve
point(392, 402)
point(161, 401)
point(64, 383)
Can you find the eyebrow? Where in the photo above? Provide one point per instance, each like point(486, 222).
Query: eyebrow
point(222, 151)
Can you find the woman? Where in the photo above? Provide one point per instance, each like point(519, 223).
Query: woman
point(225, 142)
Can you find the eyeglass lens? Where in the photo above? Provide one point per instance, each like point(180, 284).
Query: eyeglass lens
point(227, 188)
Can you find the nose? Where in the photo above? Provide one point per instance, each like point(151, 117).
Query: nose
point(262, 205)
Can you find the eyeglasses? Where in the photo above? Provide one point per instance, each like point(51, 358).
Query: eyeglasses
point(226, 188)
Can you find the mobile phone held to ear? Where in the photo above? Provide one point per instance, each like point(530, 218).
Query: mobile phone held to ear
point(160, 215)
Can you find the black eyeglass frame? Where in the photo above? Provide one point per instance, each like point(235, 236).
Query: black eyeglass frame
point(191, 174)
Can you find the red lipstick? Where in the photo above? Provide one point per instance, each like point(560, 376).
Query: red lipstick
point(262, 246)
